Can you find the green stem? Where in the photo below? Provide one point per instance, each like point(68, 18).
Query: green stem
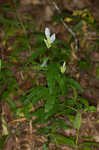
point(77, 138)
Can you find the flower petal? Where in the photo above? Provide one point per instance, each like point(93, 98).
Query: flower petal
point(47, 32)
point(52, 38)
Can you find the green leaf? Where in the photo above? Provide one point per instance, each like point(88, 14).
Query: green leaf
point(35, 94)
point(85, 65)
point(10, 31)
point(61, 80)
point(62, 124)
point(63, 140)
point(11, 103)
point(8, 21)
point(87, 148)
point(84, 101)
point(75, 94)
point(7, 9)
point(24, 41)
point(50, 103)
point(38, 52)
point(78, 26)
point(51, 74)
point(45, 147)
point(77, 121)
point(2, 141)
point(53, 111)
point(44, 130)
point(48, 43)
point(70, 117)
point(92, 108)
point(39, 113)
point(90, 143)
point(73, 83)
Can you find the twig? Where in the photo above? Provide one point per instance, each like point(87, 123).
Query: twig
point(67, 27)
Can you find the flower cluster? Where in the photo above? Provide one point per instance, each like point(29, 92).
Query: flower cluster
point(49, 38)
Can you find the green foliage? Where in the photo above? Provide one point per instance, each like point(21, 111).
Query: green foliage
point(59, 139)
point(78, 121)
point(2, 141)
point(0, 64)
point(45, 147)
point(97, 72)
point(87, 148)
point(57, 85)
point(91, 144)
point(85, 64)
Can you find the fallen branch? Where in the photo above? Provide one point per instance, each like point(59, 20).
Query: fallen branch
point(67, 27)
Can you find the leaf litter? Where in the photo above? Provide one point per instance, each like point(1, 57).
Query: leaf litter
point(21, 133)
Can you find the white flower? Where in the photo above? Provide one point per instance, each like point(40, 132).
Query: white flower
point(63, 68)
point(52, 38)
point(47, 32)
point(49, 39)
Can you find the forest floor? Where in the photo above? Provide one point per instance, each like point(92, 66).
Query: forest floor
point(20, 132)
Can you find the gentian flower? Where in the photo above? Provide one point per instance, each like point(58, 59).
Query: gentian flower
point(63, 68)
point(49, 38)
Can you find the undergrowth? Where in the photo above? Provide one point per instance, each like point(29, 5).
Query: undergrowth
point(58, 96)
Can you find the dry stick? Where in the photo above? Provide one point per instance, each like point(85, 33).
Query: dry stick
point(67, 27)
